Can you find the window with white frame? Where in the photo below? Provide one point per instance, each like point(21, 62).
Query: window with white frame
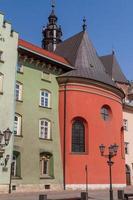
point(1, 82)
point(16, 164)
point(45, 98)
point(125, 124)
point(18, 91)
point(44, 129)
point(17, 124)
point(126, 148)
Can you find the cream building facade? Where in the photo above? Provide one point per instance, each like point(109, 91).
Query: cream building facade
point(8, 60)
point(128, 134)
point(128, 139)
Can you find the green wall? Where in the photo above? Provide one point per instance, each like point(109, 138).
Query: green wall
point(29, 144)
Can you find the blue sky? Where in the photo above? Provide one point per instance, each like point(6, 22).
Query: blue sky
point(109, 23)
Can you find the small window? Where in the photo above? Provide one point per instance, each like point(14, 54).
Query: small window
point(78, 136)
point(126, 148)
point(16, 165)
point(46, 164)
point(125, 124)
point(105, 112)
point(44, 129)
point(1, 83)
point(13, 167)
point(19, 67)
point(1, 57)
point(17, 124)
point(45, 98)
point(18, 91)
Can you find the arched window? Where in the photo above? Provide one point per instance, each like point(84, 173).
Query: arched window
point(15, 166)
point(46, 164)
point(78, 136)
point(44, 129)
point(17, 124)
point(45, 98)
point(105, 112)
point(19, 87)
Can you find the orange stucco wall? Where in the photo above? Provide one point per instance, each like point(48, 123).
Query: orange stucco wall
point(85, 101)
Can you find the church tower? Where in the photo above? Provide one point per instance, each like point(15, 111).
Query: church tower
point(52, 32)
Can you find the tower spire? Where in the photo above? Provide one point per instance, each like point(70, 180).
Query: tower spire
point(52, 32)
point(84, 26)
point(53, 4)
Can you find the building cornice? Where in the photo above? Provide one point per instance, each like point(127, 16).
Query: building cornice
point(115, 90)
point(37, 52)
point(127, 107)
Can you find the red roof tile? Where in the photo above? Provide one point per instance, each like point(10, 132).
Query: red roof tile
point(41, 51)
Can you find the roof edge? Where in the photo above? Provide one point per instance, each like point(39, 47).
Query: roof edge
point(116, 90)
point(21, 46)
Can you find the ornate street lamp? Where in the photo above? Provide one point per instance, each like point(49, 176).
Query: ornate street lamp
point(112, 151)
point(4, 141)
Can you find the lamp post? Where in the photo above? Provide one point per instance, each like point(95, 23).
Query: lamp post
point(4, 141)
point(112, 151)
point(86, 173)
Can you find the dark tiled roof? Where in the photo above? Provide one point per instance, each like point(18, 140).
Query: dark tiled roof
point(79, 51)
point(113, 68)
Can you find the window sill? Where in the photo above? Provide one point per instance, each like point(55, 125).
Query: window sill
point(16, 177)
point(43, 79)
point(46, 177)
point(20, 72)
point(45, 107)
point(79, 153)
point(45, 139)
point(21, 101)
point(1, 93)
point(1, 61)
point(19, 136)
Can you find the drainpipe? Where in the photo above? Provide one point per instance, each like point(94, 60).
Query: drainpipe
point(64, 139)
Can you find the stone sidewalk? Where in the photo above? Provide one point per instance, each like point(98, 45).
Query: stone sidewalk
point(93, 195)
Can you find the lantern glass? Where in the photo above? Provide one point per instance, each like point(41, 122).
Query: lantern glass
point(111, 149)
point(115, 146)
point(102, 149)
point(7, 135)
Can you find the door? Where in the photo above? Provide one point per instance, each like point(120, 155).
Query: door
point(128, 175)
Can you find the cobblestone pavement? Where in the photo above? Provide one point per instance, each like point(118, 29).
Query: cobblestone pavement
point(93, 195)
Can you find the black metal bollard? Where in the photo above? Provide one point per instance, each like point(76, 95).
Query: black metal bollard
point(42, 197)
point(120, 194)
point(84, 196)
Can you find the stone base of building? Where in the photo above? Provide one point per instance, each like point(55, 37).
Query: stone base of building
point(53, 187)
point(4, 189)
point(92, 186)
point(35, 187)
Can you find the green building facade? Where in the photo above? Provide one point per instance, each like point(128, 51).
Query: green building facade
point(36, 161)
